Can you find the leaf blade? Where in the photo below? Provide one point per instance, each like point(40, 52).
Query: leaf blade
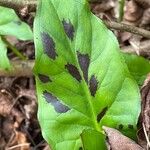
point(93, 140)
point(138, 66)
point(4, 61)
point(75, 41)
point(10, 24)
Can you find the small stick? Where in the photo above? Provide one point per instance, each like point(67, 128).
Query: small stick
point(19, 4)
point(127, 28)
point(17, 146)
point(146, 136)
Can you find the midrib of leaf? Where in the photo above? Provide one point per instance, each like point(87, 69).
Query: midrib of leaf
point(84, 85)
point(88, 97)
point(86, 90)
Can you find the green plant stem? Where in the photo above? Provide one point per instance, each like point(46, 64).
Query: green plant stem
point(121, 10)
point(14, 49)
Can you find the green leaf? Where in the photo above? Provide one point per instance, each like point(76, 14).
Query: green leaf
point(10, 24)
point(82, 80)
point(4, 61)
point(93, 140)
point(138, 66)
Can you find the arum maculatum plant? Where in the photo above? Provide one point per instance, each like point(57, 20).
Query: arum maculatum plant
point(82, 80)
point(10, 24)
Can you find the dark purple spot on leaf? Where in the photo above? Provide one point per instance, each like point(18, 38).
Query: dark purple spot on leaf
point(49, 45)
point(120, 126)
point(84, 64)
point(93, 84)
point(130, 126)
point(101, 114)
point(69, 29)
point(58, 106)
point(44, 78)
point(73, 70)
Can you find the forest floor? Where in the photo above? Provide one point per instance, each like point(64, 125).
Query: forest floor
point(19, 127)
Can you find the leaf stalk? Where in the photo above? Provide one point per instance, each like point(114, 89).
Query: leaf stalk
point(14, 49)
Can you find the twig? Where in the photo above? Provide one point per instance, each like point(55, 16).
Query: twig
point(20, 68)
point(146, 136)
point(19, 145)
point(127, 28)
point(19, 4)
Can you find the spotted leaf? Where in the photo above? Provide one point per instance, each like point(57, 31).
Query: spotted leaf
point(90, 84)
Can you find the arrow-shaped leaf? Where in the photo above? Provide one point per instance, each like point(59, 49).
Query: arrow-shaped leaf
point(82, 79)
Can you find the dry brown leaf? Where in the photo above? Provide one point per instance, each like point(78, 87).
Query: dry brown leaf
point(144, 48)
point(2, 143)
point(133, 12)
point(19, 142)
point(6, 106)
point(125, 36)
point(143, 3)
point(146, 18)
point(145, 92)
point(118, 141)
point(103, 6)
point(47, 148)
point(30, 105)
point(144, 122)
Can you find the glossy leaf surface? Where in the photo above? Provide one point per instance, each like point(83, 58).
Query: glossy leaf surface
point(138, 66)
point(82, 79)
point(93, 140)
point(10, 24)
